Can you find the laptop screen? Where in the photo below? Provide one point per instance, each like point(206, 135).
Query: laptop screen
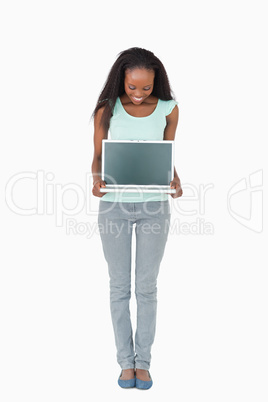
point(137, 163)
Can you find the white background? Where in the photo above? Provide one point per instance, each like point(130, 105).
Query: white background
point(56, 335)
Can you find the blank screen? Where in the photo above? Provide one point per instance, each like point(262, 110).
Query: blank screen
point(138, 163)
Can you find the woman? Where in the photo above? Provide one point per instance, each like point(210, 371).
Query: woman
point(135, 103)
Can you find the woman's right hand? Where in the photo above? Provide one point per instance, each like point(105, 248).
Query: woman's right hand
point(96, 188)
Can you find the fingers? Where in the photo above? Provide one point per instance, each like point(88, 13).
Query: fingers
point(96, 188)
point(178, 193)
point(178, 188)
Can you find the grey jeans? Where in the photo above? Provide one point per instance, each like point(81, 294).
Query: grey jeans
point(116, 221)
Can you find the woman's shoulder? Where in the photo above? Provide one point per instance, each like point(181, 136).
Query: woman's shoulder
point(102, 105)
point(168, 105)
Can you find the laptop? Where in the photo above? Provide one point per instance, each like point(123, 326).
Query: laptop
point(137, 166)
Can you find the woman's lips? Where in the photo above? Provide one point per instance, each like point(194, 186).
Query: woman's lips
point(137, 99)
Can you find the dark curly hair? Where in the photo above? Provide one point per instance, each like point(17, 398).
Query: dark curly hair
point(134, 57)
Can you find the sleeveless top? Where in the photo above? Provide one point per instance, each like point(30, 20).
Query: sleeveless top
point(123, 126)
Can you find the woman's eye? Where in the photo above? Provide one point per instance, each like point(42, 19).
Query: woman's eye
point(145, 89)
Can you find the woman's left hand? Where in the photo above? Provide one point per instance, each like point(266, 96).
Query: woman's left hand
point(176, 183)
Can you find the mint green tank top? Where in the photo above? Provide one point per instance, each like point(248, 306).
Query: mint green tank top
point(123, 126)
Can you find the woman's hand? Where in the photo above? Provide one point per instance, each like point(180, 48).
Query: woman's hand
point(96, 188)
point(176, 183)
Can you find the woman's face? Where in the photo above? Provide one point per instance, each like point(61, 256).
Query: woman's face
point(139, 84)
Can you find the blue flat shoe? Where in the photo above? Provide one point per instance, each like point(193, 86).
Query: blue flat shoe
point(144, 384)
point(127, 383)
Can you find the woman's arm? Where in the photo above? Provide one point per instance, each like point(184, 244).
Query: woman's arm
point(99, 134)
point(169, 134)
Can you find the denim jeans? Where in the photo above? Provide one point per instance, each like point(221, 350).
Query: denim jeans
point(116, 221)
